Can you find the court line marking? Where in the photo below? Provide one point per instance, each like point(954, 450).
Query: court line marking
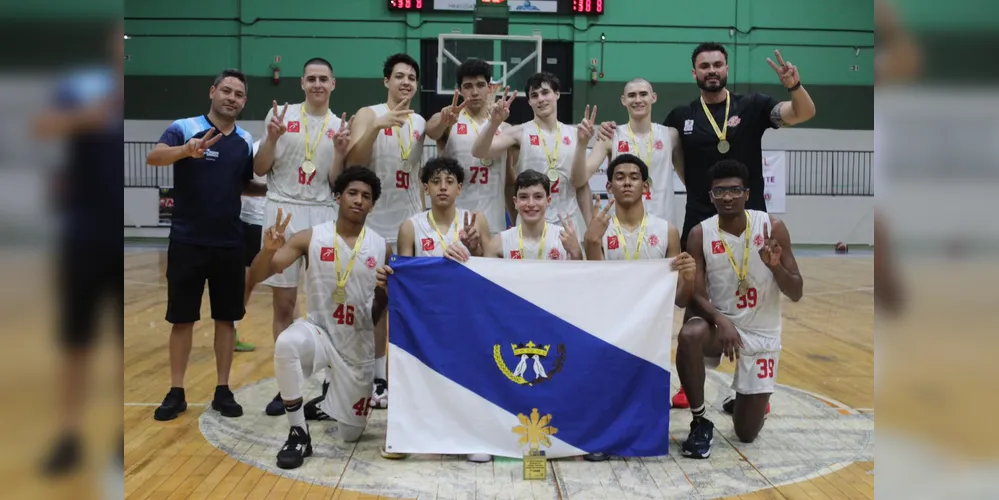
point(158, 404)
point(839, 292)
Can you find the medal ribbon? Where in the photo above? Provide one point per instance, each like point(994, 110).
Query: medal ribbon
point(541, 242)
point(475, 130)
point(551, 156)
point(310, 150)
point(638, 149)
point(341, 281)
point(624, 240)
point(723, 133)
point(404, 149)
point(430, 216)
point(740, 273)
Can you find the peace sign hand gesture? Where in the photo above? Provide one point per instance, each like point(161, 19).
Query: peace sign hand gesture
point(449, 115)
point(276, 127)
point(501, 109)
point(569, 239)
point(396, 116)
point(274, 236)
point(469, 235)
point(771, 250)
point(585, 129)
point(196, 147)
point(787, 72)
point(600, 222)
point(341, 140)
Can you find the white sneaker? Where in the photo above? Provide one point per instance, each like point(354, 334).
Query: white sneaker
point(379, 394)
point(480, 458)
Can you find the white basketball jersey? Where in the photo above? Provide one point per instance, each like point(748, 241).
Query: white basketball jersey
point(654, 243)
point(287, 181)
point(533, 157)
point(656, 150)
point(428, 242)
point(401, 190)
point(483, 190)
point(551, 249)
point(350, 324)
point(759, 312)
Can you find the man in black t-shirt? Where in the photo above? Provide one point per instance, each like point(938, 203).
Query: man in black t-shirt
point(733, 129)
point(723, 125)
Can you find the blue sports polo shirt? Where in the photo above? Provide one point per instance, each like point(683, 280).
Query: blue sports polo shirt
point(206, 191)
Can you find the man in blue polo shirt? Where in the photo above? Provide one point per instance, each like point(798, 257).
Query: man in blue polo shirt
point(212, 162)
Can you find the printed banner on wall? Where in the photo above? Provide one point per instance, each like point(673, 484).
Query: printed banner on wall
point(547, 6)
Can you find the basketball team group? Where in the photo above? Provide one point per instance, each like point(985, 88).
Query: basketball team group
point(326, 200)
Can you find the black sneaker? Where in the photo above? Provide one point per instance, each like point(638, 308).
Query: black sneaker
point(295, 449)
point(275, 407)
point(64, 458)
point(596, 457)
point(702, 436)
point(173, 404)
point(312, 410)
point(379, 394)
point(225, 403)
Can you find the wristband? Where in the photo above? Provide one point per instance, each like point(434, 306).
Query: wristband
point(795, 87)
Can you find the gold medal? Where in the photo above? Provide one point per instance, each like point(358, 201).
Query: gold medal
point(406, 167)
point(743, 287)
point(723, 147)
point(740, 272)
point(722, 133)
point(551, 156)
point(308, 167)
point(487, 161)
point(553, 175)
point(340, 295)
point(405, 149)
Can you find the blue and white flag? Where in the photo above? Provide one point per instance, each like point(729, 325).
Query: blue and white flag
point(496, 356)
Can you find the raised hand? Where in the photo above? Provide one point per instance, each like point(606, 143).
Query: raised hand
point(569, 238)
point(600, 222)
point(585, 129)
point(274, 235)
point(396, 116)
point(771, 250)
point(685, 265)
point(341, 140)
point(469, 234)
point(449, 115)
point(276, 127)
point(501, 108)
point(787, 72)
point(606, 131)
point(381, 276)
point(196, 147)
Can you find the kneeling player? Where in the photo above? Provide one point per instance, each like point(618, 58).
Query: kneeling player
point(338, 331)
point(744, 263)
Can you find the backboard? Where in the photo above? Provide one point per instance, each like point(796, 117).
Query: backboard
point(514, 58)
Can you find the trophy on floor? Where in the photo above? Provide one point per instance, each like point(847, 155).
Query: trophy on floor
point(534, 432)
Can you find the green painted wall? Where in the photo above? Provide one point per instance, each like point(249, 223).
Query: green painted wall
point(175, 47)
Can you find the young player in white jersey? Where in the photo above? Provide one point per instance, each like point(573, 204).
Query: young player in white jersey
point(546, 145)
point(388, 138)
point(430, 233)
point(657, 145)
point(304, 146)
point(337, 333)
point(456, 127)
point(533, 237)
point(744, 264)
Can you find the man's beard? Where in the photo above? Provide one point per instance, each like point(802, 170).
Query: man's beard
point(722, 82)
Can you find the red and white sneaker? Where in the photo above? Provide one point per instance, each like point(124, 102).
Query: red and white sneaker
point(680, 400)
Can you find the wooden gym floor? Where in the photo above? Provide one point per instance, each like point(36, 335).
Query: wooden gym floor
point(817, 443)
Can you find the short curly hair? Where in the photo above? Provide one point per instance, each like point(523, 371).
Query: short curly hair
point(444, 165)
point(359, 174)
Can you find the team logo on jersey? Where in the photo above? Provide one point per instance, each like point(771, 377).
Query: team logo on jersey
point(371, 263)
point(612, 242)
point(497, 132)
point(758, 240)
point(462, 129)
point(530, 352)
point(416, 134)
point(717, 247)
point(388, 132)
point(294, 127)
point(658, 145)
point(327, 254)
point(330, 133)
point(554, 254)
point(535, 141)
point(428, 244)
point(622, 146)
point(735, 120)
point(515, 254)
point(566, 140)
point(653, 241)
point(688, 126)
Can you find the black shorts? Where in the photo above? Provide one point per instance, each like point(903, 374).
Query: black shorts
point(252, 235)
point(88, 283)
point(189, 267)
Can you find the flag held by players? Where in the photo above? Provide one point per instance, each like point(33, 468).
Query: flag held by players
point(497, 356)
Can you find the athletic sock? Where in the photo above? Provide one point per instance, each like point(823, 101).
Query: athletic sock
point(380, 367)
point(698, 412)
point(296, 414)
